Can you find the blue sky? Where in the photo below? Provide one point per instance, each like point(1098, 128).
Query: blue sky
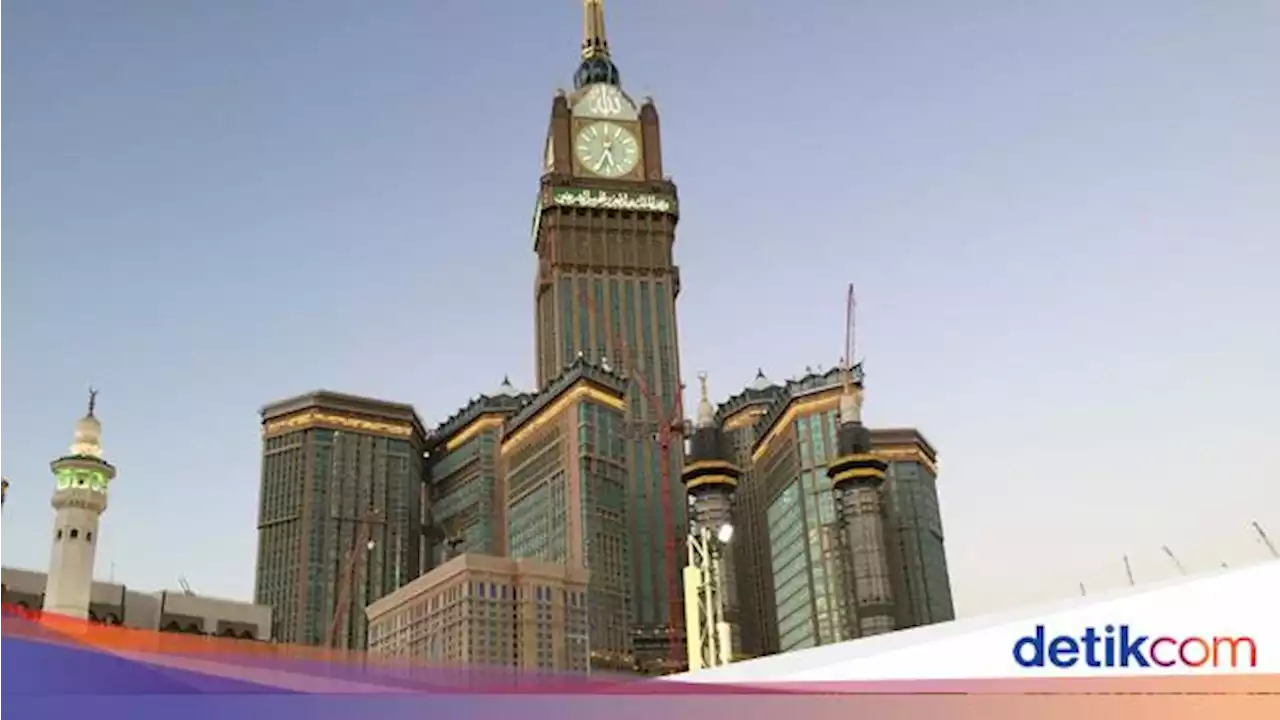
point(1063, 219)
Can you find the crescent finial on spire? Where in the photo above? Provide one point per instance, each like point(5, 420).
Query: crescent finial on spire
point(93, 400)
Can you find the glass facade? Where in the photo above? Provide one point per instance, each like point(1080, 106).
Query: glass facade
point(816, 440)
point(318, 487)
point(924, 591)
point(603, 519)
point(536, 523)
point(804, 544)
point(789, 564)
point(568, 504)
point(630, 321)
point(465, 500)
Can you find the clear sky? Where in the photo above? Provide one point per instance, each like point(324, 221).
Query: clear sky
point(1063, 219)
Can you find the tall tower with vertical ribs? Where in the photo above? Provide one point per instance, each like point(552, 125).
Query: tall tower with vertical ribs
point(711, 479)
point(604, 232)
point(79, 499)
point(857, 477)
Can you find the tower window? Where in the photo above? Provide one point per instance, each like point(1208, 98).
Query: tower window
point(74, 533)
point(58, 536)
point(88, 536)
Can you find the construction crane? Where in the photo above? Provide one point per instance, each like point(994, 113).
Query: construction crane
point(186, 588)
point(1128, 570)
point(670, 422)
point(1262, 535)
point(1176, 562)
point(362, 545)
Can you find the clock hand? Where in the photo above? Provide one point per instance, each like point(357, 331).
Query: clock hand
point(606, 155)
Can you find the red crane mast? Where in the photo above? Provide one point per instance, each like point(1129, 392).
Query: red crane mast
point(670, 422)
point(359, 549)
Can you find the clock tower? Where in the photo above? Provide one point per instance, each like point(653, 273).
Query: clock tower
point(606, 289)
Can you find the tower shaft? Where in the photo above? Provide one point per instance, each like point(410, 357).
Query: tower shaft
point(69, 588)
point(857, 476)
point(710, 479)
point(606, 289)
point(860, 514)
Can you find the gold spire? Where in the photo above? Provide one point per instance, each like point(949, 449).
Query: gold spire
point(594, 41)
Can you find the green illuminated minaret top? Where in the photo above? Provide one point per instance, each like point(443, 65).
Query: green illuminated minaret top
point(83, 467)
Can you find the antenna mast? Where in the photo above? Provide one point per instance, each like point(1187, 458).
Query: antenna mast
point(1262, 535)
point(1128, 571)
point(850, 334)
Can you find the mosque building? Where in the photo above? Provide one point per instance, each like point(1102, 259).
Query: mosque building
point(82, 480)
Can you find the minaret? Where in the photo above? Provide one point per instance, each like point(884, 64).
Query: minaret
point(79, 500)
point(710, 478)
point(857, 476)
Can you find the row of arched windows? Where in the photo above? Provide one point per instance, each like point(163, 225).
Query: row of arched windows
point(174, 626)
point(73, 534)
point(105, 619)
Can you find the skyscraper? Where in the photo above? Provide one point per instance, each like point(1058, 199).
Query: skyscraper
point(739, 416)
point(337, 471)
point(916, 543)
point(791, 575)
point(606, 288)
point(542, 478)
point(563, 463)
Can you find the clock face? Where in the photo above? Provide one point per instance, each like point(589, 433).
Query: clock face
point(607, 149)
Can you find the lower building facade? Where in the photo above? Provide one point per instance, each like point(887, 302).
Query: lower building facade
point(480, 610)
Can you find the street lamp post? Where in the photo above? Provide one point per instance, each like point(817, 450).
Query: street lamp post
point(710, 638)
